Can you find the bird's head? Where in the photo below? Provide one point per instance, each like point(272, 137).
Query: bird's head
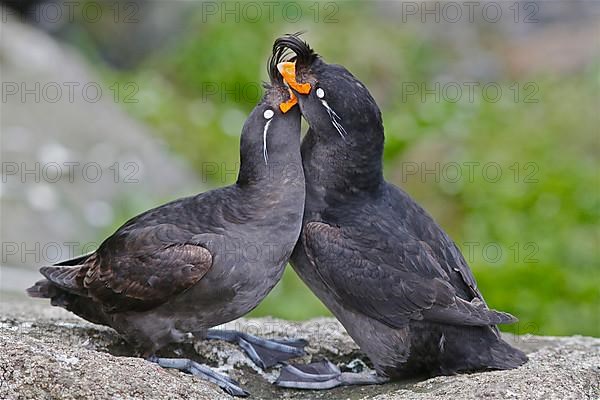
point(336, 105)
point(271, 134)
point(275, 122)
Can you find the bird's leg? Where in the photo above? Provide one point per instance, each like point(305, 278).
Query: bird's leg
point(203, 371)
point(264, 353)
point(323, 375)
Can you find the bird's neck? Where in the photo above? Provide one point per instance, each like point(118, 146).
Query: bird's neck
point(348, 166)
point(282, 165)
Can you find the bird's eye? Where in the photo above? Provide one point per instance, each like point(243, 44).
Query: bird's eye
point(268, 114)
point(320, 93)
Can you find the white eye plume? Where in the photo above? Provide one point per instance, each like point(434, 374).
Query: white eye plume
point(320, 93)
point(268, 114)
point(335, 119)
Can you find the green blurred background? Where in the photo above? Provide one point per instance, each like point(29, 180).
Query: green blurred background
point(530, 234)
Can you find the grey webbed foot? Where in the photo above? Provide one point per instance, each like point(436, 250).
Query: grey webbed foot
point(323, 375)
point(264, 353)
point(203, 371)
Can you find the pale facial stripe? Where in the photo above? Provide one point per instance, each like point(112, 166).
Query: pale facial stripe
point(268, 114)
point(265, 154)
point(335, 120)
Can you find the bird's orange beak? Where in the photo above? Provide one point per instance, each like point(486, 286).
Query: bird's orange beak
point(288, 71)
point(287, 105)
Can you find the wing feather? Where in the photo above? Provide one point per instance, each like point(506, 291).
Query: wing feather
point(391, 282)
point(136, 270)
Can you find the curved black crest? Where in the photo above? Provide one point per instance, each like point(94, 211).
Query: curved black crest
point(303, 54)
point(275, 58)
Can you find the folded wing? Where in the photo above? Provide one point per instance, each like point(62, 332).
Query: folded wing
point(391, 281)
point(135, 270)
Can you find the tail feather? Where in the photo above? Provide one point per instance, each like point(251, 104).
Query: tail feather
point(43, 289)
point(505, 356)
point(477, 348)
point(65, 276)
point(71, 298)
point(69, 279)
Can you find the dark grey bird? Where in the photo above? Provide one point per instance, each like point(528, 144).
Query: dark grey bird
point(375, 258)
point(200, 261)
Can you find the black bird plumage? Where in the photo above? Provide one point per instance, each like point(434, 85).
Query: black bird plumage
point(377, 260)
point(200, 261)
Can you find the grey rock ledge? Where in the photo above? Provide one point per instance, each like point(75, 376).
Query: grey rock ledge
point(46, 353)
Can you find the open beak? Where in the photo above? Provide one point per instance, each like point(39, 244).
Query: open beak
point(288, 71)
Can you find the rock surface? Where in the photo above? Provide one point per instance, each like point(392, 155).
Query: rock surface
point(47, 353)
